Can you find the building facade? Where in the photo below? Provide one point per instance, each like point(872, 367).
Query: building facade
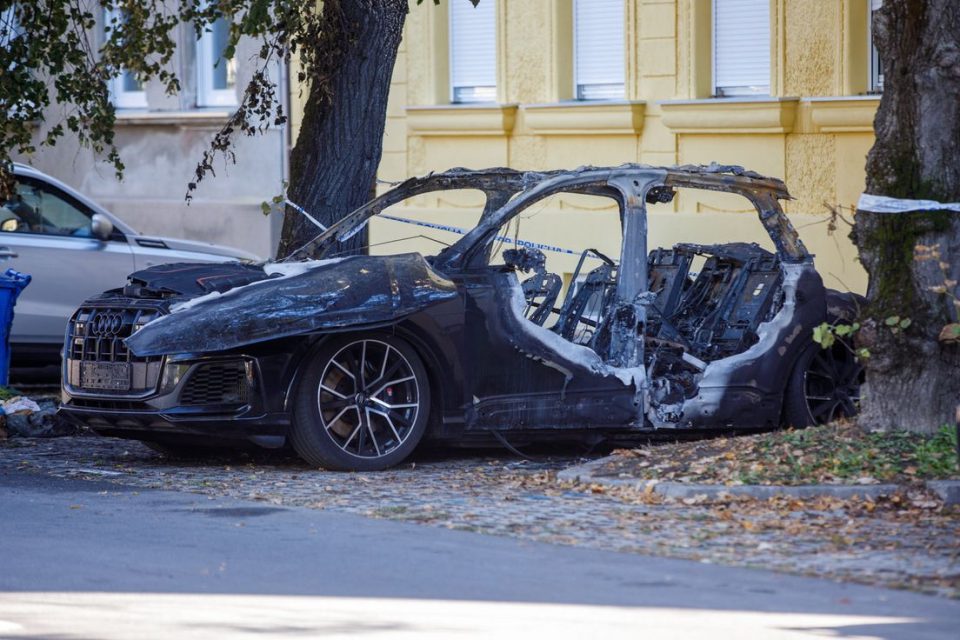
point(161, 139)
point(788, 88)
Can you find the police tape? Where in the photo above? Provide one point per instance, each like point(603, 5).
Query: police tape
point(461, 231)
point(884, 204)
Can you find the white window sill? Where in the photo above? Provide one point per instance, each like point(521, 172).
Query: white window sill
point(192, 117)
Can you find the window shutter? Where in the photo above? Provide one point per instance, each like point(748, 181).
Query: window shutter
point(598, 49)
point(741, 47)
point(473, 51)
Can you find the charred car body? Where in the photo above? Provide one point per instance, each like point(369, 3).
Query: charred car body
point(353, 359)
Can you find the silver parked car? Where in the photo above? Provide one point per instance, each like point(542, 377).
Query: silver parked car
point(74, 249)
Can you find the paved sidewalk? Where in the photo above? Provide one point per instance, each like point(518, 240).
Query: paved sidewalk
point(870, 543)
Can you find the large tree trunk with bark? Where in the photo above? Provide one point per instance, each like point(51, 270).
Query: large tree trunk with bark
point(334, 163)
point(913, 259)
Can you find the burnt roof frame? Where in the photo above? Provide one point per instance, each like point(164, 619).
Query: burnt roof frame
point(499, 184)
point(509, 191)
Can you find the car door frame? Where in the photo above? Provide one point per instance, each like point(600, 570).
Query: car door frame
point(530, 377)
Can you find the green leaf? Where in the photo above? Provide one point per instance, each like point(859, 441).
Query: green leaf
point(823, 335)
point(843, 330)
point(863, 353)
point(818, 333)
point(891, 321)
point(265, 208)
point(906, 322)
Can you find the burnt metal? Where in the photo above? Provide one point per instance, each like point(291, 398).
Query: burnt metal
point(356, 291)
point(637, 343)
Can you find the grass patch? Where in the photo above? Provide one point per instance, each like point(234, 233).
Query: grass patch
point(833, 454)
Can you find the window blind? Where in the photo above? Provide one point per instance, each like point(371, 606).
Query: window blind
point(741, 47)
point(598, 49)
point(473, 51)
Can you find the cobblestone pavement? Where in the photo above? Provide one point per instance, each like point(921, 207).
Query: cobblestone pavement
point(907, 542)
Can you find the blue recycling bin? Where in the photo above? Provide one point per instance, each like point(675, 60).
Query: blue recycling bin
point(11, 284)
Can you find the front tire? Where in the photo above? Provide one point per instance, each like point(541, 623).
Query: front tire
point(362, 404)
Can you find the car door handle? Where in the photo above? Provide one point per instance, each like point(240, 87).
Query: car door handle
point(6, 253)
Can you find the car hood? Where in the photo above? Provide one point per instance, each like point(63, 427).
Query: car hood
point(192, 246)
point(286, 299)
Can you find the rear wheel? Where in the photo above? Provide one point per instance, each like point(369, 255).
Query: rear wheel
point(824, 386)
point(362, 404)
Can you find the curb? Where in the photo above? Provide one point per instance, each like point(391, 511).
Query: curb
point(947, 490)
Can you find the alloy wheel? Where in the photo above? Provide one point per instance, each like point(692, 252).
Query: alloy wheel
point(368, 398)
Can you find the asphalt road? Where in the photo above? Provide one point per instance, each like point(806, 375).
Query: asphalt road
point(83, 560)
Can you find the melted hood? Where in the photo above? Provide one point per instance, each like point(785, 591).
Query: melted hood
point(285, 299)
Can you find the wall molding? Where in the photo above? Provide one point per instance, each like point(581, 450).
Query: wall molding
point(730, 115)
point(621, 117)
point(461, 120)
point(842, 114)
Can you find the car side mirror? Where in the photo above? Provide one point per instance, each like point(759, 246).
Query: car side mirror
point(101, 226)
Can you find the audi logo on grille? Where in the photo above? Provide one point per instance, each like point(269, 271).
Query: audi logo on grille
point(106, 323)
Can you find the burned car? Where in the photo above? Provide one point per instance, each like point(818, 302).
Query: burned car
point(354, 359)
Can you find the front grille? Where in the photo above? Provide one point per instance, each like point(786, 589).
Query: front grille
point(216, 383)
point(96, 335)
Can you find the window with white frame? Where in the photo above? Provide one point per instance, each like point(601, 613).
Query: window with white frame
point(876, 66)
point(598, 60)
point(216, 75)
point(473, 51)
point(741, 47)
point(126, 90)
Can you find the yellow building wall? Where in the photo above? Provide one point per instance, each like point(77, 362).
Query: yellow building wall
point(813, 131)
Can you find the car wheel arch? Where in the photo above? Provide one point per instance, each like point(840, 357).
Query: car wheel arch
point(424, 350)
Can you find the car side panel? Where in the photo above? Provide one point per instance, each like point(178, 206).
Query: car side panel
point(66, 271)
point(515, 380)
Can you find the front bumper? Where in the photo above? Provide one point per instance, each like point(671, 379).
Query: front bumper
point(200, 400)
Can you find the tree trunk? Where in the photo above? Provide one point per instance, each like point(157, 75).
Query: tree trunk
point(913, 379)
point(334, 163)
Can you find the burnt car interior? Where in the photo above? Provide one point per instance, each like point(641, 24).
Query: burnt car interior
point(705, 302)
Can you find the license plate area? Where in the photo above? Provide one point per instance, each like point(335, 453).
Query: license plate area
point(112, 376)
